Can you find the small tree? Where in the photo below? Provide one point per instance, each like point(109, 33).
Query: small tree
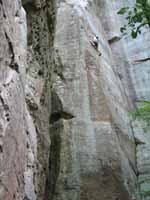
point(137, 17)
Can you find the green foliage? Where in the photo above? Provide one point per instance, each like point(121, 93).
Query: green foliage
point(137, 17)
point(122, 11)
point(145, 193)
point(142, 112)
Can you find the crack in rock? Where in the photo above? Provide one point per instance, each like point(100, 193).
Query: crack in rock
point(141, 60)
point(13, 64)
point(4, 15)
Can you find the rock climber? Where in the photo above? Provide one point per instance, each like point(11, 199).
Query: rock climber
point(94, 43)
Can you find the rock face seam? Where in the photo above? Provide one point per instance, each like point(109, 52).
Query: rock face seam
point(13, 63)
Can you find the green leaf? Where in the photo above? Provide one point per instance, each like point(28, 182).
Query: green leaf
point(134, 34)
point(122, 11)
point(122, 29)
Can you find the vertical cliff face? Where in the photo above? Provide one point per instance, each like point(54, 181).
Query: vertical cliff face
point(96, 145)
point(12, 99)
point(132, 56)
point(25, 59)
point(65, 133)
